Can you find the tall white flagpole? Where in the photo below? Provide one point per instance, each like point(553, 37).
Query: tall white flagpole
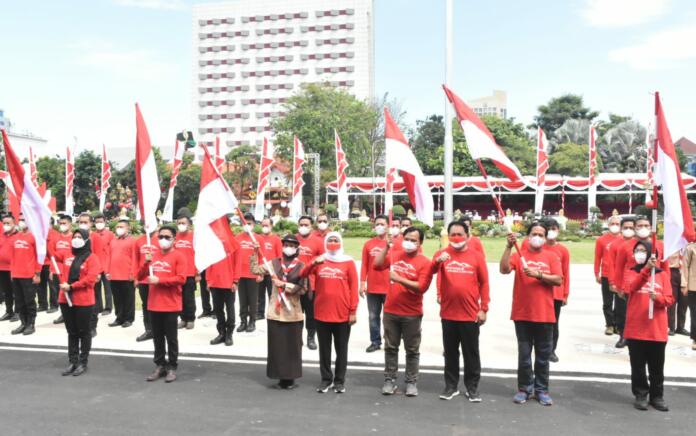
point(449, 147)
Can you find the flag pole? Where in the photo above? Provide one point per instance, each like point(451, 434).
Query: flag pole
point(448, 146)
point(653, 205)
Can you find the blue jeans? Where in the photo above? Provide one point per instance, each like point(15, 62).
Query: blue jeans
point(375, 303)
point(537, 336)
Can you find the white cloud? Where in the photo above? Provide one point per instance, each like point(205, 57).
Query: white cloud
point(172, 5)
point(622, 13)
point(137, 64)
point(659, 50)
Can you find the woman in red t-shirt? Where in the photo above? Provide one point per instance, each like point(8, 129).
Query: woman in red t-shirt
point(647, 337)
point(81, 269)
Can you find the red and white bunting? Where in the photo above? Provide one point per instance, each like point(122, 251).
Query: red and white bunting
point(69, 181)
point(297, 181)
point(219, 156)
point(542, 167)
point(341, 166)
point(146, 174)
point(264, 179)
point(105, 179)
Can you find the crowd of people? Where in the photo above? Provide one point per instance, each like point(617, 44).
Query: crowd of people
point(306, 281)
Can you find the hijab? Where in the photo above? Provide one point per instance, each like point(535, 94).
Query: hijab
point(81, 254)
point(648, 248)
point(339, 255)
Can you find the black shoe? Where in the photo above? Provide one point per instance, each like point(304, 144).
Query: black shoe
point(42, 308)
point(324, 387)
point(105, 312)
point(69, 370)
point(242, 326)
point(621, 343)
point(205, 315)
point(52, 310)
point(671, 332)
point(115, 323)
point(59, 320)
point(6, 317)
point(641, 403)
point(158, 372)
point(449, 393)
point(29, 330)
point(252, 326)
point(81, 369)
point(15, 317)
point(553, 358)
point(126, 324)
point(659, 404)
point(311, 343)
point(93, 332)
point(681, 331)
point(228, 337)
point(260, 316)
point(219, 339)
point(372, 348)
point(144, 337)
point(18, 330)
point(473, 396)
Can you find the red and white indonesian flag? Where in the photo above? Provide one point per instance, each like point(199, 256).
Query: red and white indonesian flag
point(69, 181)
point(168, 211)
point(11, 197)
point(105, 179)
point(592, 190)
point(297, 181)
point(215, 202)
point(33, 172)
point(400, 158)
point(264, 179)
point(341, 176)
point(480, 140)
point(36, 213)
point(219, 156)
point(679, 225)
point(542, 167)
point(146, 174)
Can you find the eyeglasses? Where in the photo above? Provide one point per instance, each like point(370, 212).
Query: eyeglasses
point(166, 238)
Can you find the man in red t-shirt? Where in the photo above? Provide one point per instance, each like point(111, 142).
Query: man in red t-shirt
point(322, 227)
point(560, 293)
point(184, 244)
point(121, 274)
point(248, 286)
point(410, 278)
point(26, 275)
point(374, 283)
point(272, 249)
point(101, 239)
point(141, 249)
point(59, 246)
point(463, 294)
point(473, 242)
point(310, 247)
point(600, 270)
point(537, 272)
point(9, 230)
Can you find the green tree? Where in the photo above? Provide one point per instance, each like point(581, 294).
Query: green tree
point(87, 174)
point(571, 159)
point(244, 161)
point(52, 171)
point(623, 148)
point(552, 115)
point(614, 120)
point(427, 143)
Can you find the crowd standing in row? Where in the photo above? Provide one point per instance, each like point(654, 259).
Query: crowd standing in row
point(307, 279)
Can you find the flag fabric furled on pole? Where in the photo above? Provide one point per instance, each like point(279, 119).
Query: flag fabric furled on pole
point(264, 179)
point(36, 213)
point(480, 140)
point(69, 181)
point(105, 179)
point(215, 202)
point(219, 157)
point(592, 189)
point(400, 159)
point(341, 176)
point(10, 193)
point(679, 224)
point(297, 181)
point(168, 211)
point(146, 174)
point(32, 169)
point(542, 167)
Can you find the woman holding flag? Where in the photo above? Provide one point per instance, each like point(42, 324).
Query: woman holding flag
point(80, 271)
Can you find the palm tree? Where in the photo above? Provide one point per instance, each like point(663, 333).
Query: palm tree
point(623, 148)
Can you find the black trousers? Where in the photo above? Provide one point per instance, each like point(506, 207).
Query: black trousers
point(188, 297)
point(77, 324)
point(652, 355)
point(7, 292)
point(248, 297)
point(124, 300)
point(608, 299)
point(265, 289)
point(307, 304)
point(143, 291)
point(676, 313)
point(107, 302)
point(557, 304)
point(339, 334)
point(164, 330)
point(96, 309)
point(537, 336)
point(205, 295)
point(47, 290)
point(223, 304)
point(692, 311)
point(25, 300)
point(620, 312)
point(464, 335)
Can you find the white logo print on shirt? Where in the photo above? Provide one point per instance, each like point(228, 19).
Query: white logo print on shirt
point(246, 245)
point(405, 269)
point(541, 266)
point(21, 244)
point(328, 272)
point(161, 266)
point(459, 267)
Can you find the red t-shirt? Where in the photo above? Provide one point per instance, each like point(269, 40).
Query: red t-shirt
point(60, 247)
point(141, 248)
point(272, 246)
point(24, 264)
point(6, 247)
point(377, 281)
point(165, 296)
point(638, 325)
point(222, 275)
point(462, 284)
point(122, 259)
point(400, 300)
point(184, 245)
point(474, 243)
point(82, 293)
point(624, 262)
point(601, 252)
point(532, 299)
point(52, 234)
point(561, 293)
point(336, 288)
point(101, 245)
point(310, 247)
point(246, 250)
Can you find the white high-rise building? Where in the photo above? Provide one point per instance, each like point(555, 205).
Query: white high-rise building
point(251, 55)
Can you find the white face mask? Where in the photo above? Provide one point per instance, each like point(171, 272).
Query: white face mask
point(120, 231)
point(165, 244)
point(553, 234)
point(78, 243)
point(304, 230)
point(380, 230)
point(100, 226)
point(458, 245)
point(83, 226)
point(323, 226)
point(289, 251)
point(395, 231)
point(614, 229)
point(265, 230)
point(22, 225)
point(409, 246)
point(246, 228)
point(536, 241)
point(63, 228)
point(643, 232)
point(7, 228)
point(182, 228)
point(628, 233)
point(640, 257)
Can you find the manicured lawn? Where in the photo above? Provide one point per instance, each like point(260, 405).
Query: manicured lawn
point(580, 252)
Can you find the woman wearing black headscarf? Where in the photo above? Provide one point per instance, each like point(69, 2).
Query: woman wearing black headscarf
point(647, 337)
point(79, 273)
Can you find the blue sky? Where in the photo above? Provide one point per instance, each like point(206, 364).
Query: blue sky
point(75, 68)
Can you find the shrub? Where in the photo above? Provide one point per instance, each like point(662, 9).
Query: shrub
point(284, 227)
point(573, 227)
point(398, 210)
point(331, 210)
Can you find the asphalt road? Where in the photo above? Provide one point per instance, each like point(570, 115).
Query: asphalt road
point(215, 397)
